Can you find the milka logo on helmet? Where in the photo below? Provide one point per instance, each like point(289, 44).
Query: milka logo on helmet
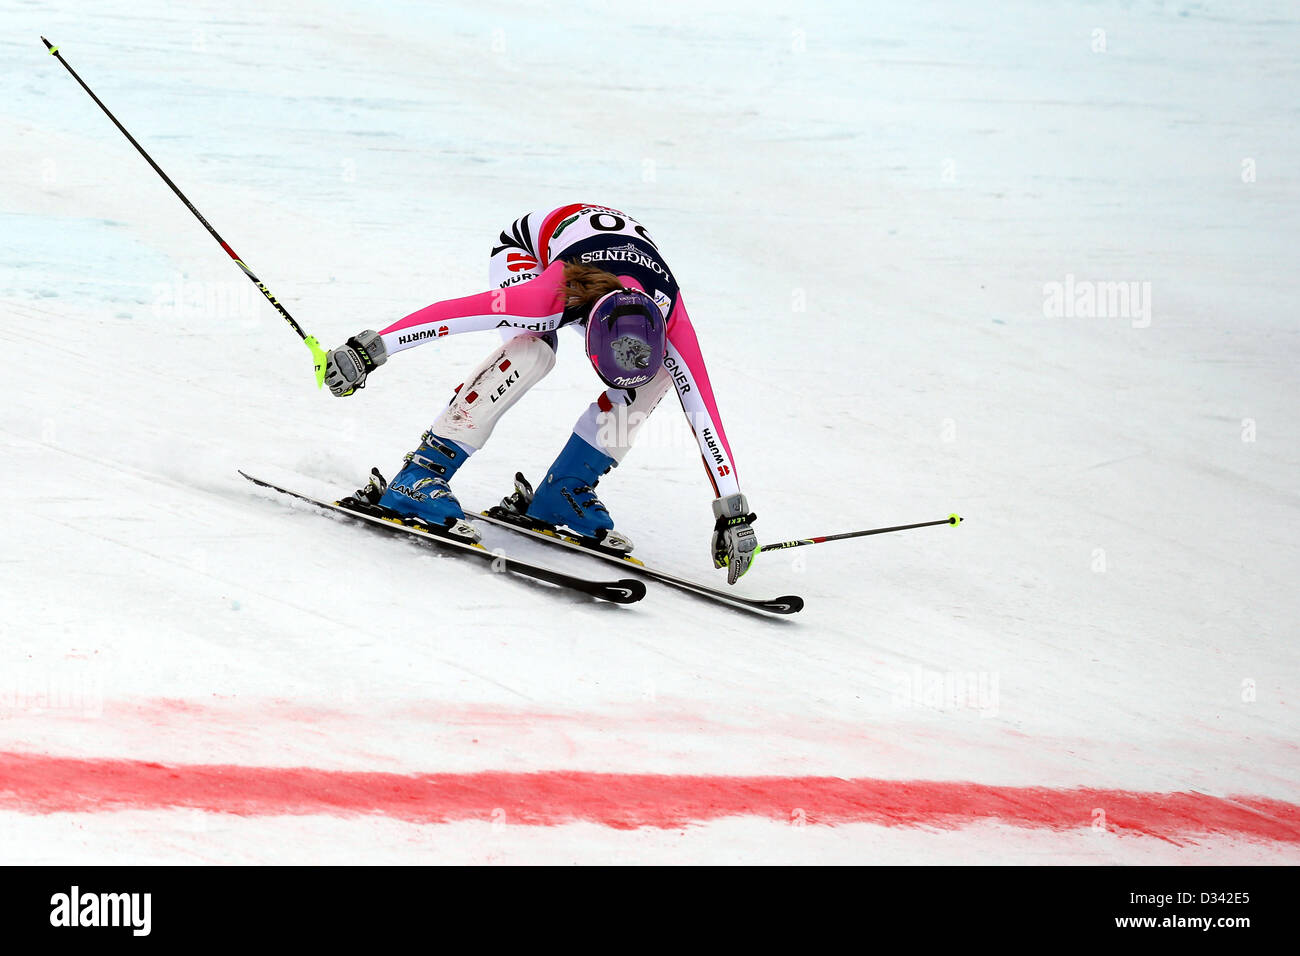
point(630, 352)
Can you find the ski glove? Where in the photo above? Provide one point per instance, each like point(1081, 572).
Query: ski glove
point(734, 545)
point(347, 366)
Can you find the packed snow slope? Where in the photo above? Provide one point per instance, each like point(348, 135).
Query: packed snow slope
point(900, 229)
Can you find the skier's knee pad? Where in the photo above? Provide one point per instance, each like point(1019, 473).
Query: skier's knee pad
point(493, 388)
point(613, 420)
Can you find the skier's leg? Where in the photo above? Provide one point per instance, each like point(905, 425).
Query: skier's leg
point(601, 439)
point(494, 387)
point(420, 489)
point(612, 421)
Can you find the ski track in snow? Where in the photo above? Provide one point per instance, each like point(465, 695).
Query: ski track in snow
point(863, 212)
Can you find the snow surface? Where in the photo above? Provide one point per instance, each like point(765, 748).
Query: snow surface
point(864, 205)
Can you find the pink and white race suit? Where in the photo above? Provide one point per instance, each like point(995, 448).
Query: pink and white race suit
point(526, 304)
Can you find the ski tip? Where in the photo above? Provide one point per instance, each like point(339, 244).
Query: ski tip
point(626, 591)
point(954, 519)
point(789, 604)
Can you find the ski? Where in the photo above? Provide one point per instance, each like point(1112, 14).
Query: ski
point(788, 604)
point(624, 591)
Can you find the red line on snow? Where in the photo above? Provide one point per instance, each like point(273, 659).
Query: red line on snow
point(32, 783)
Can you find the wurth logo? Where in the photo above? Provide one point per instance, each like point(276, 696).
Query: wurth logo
point(423, 334)
point(520, 262)
point(724, 470)
point(718, 457)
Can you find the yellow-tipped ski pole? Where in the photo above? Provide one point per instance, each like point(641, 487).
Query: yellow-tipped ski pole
point(951, 519)
point(317, 353)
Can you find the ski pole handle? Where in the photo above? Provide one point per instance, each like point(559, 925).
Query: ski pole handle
point(318, 354)
point(952, 519)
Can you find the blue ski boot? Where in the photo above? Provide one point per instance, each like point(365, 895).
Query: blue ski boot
point(567, 496)
point(420, 489)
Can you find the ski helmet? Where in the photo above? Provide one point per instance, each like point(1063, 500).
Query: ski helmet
point(626, 338)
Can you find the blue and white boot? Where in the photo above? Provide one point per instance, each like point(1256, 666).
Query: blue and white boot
point(566, 497)
point(420, 489)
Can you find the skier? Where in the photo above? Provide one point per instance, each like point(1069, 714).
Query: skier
point(597, 270)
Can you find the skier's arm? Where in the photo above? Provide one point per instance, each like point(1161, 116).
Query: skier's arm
point(733, 544)
point(537, 305)
point(685, 364)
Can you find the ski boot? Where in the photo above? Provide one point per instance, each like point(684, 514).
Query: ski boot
point(567, 499)
point(419, 495)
